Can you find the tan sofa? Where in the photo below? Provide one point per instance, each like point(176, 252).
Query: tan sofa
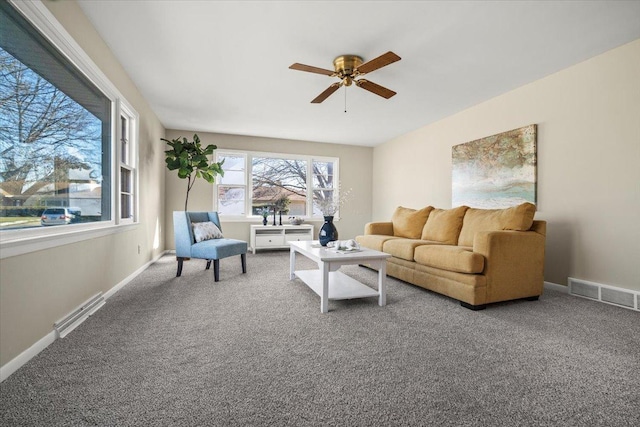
point(477, 256)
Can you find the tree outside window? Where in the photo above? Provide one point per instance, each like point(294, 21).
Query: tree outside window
point(50, 147)
point(297, 186)
point(280, 184)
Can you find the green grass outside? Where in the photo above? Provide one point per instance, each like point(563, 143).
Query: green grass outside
point(5, 219)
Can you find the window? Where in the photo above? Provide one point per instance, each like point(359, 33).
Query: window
point(280, 182)
point(292, 184)
point(232, 187)
point(127, 164)
point(59, 146)
point(323, 191)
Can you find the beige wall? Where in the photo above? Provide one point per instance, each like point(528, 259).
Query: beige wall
point(355, 173)
point(39, 288)
point(588, 119)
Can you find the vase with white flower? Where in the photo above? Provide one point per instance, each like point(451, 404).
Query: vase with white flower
point(329, 205)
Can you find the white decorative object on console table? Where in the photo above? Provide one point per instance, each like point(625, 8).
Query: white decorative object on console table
point(279, 236)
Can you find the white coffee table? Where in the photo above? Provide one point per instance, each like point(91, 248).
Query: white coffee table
point(330, 283)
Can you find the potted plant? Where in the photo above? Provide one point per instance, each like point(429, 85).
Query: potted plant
point(265, 215)
point(192, 161)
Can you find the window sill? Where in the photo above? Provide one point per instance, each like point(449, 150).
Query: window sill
point(24, 245)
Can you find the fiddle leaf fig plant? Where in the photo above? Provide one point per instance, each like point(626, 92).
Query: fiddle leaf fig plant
point(192, 161)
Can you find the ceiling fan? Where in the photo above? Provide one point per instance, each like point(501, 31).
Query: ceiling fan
point(347, 69)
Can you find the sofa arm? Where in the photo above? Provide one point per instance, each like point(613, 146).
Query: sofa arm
point(381, 228)
point(514, 263)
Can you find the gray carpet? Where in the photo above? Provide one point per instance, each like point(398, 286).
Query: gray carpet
point(254, 350)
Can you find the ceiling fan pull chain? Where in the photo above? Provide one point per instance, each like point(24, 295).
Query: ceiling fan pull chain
point(345, 99)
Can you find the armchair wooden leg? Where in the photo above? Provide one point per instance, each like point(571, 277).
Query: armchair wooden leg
point(180, 260)
point(216, 270)
point(243, 259)
point(208, 264)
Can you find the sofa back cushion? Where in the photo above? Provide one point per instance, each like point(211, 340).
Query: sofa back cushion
point(409, 222)
point(518, 218)
point(444, 225)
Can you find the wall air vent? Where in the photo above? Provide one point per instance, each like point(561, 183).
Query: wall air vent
point(582, 289)
point(605, 293)
point(615, 296)
point(79, 315)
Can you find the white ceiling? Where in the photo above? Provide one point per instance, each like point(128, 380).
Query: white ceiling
point(223, 66)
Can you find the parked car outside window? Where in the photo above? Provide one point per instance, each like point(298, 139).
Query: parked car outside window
point(58, 216)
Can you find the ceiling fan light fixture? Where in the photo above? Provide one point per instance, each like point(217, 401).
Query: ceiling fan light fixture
point(346, 64)
point(347, 69)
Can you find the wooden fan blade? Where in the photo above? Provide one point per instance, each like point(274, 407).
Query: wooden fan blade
point(375, 88)
point(328, 92)
point(310, 69)
point(379, 62)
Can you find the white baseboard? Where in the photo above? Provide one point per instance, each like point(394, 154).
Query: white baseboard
point(20, 360)
point(556, 287)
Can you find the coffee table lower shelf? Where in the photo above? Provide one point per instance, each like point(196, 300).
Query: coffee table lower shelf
point(341, 286)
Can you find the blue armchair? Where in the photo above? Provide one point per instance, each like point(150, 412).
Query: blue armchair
point(213, 249)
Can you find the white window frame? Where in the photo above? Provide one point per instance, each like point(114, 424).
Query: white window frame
point(21, 241)
point(131, 165)
point(249, 155)
point(246, 184)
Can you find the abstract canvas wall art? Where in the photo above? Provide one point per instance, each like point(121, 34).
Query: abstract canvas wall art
point(498, 171)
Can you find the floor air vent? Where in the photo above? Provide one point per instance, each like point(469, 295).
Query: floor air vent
point(605, 293)
point(79, 315)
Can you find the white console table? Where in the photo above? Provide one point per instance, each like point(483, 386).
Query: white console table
point(279, 236)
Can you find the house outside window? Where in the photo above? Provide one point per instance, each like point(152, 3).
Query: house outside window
point(261, 182)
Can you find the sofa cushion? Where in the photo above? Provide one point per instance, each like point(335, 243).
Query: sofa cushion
point(444, 225)
point(385, 228)
point(518, 218)
point(409, 222)
point(374, 241)
point(451, 258)
point(404, 248)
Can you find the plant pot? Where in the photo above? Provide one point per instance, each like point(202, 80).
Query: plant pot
point(328, 232)
point(264, 220)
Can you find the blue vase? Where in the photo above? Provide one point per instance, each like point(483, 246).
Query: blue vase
point(328, 232)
